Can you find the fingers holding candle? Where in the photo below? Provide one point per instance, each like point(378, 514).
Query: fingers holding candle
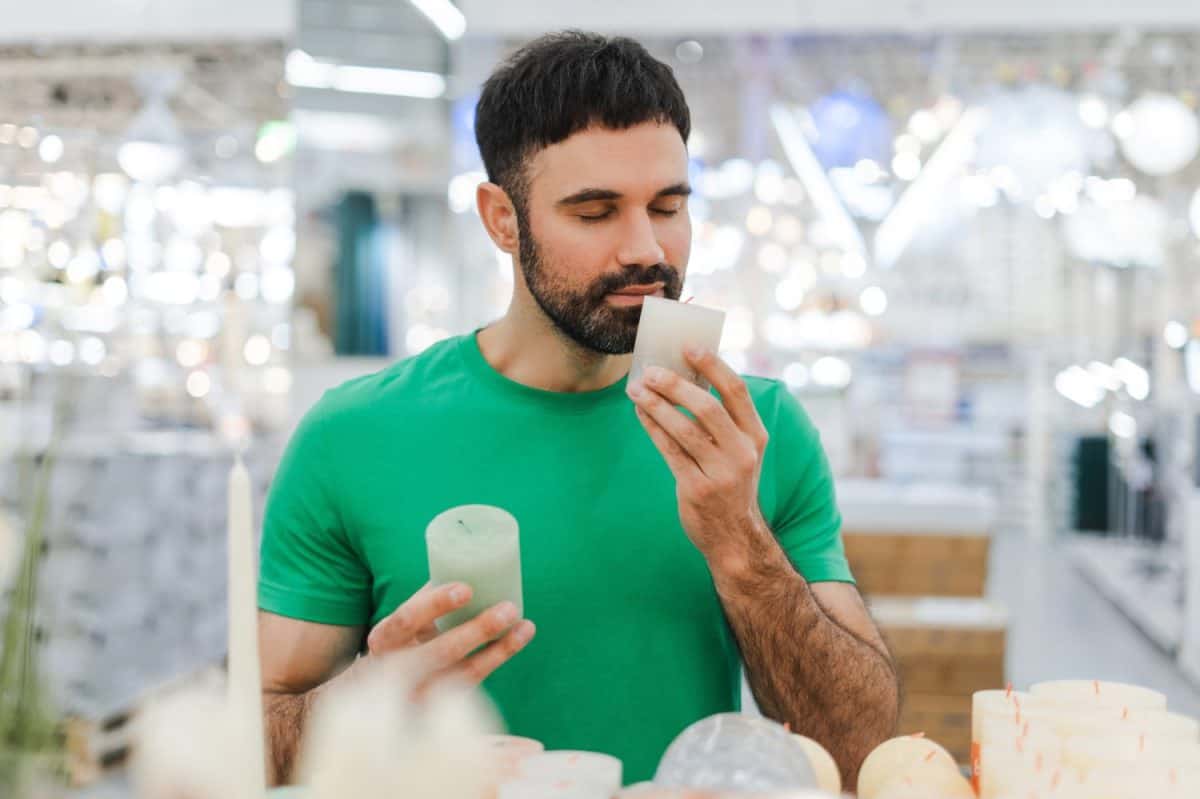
point(735, 396)
point(413, 621)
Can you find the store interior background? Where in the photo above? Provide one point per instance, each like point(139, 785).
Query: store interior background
point(965, 234)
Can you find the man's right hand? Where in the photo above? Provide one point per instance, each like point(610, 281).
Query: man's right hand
point(410, 629)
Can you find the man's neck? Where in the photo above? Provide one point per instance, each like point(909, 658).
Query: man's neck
point(528, 349)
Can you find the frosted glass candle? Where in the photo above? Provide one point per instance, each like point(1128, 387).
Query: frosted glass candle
point(666, 329)
point(1099, 694)
point(478, 545)
point(589, 768)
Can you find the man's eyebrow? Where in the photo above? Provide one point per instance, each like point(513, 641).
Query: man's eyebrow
point(589, 195)
point(593, 195)
point(678, 190)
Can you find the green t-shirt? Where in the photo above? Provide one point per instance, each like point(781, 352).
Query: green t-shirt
point(632, 645)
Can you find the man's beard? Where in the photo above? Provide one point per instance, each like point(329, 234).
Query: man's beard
point(585, 316)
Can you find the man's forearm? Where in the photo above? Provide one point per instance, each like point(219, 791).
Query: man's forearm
point(285, 718)
point(804, 668)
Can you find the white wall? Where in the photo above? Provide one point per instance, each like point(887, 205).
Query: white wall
point(145, 20)
point(677, 17)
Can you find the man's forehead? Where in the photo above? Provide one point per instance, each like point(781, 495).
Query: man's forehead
point(646, 157)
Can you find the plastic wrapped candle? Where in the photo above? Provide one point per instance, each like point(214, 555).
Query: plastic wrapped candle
point(1099, 694)
point(478, 545)
point(892, 760)
point(588, 768)
point(667, 328)
point(825, 769)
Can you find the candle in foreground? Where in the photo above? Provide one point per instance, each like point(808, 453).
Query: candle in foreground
point(504, 754)
point(1099, 694)
point(586, 768)
point(824, 767)
point(478, 545)
point(245, 676)
point(925, 779)
point(543, 788)
point(667, 328)
point(892, 760)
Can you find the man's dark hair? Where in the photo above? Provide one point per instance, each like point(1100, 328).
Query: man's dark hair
point(562, 83)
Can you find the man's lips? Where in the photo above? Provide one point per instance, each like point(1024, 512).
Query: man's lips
point(635, 295)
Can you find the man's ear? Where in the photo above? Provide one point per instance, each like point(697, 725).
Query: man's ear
point(499, 216)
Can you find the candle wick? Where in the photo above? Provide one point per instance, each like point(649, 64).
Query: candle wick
point(464, 526)
point(689, 299)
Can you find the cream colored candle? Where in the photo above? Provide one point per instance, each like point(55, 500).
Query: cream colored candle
point(894, 758)
point(923, 779)
point(1020, 766)
point(1099, 694)
point(1156, 724)
point(547, 788)
point(1001, 704)
point(245, 675)
point(825, 768)
point(587, 768)
point(478, 545)
point(667, 328)
point(1087, 753)
point(504, 753)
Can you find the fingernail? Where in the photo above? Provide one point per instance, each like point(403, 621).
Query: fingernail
point(458, 593)
point(524, 633)
point(695, 353)
point(507, 613)
point(635, 389)
point(655, 375)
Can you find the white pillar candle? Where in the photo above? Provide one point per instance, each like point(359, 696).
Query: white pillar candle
point(1087, 753)
point(478, 545)
point(667, 328)
point(1157, 724)
point(591, 768)
point(245, 676)
point(1099, 694)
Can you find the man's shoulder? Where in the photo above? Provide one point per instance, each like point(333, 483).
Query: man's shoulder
point(395, 388)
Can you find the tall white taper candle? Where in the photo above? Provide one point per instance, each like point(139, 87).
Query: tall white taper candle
point(245, 677)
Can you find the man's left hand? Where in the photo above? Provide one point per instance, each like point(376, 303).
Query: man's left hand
point(716, 457)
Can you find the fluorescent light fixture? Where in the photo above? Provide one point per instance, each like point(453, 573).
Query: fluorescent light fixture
point(812, 175)
point(897, 231)
point(305, 71)
point(444, 15)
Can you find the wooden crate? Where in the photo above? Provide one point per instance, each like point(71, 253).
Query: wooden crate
point(941, 718)
point(919, 564)
point(945, 650)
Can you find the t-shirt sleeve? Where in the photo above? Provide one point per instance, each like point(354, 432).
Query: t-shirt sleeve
point(310, 569)
point(806, 520)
